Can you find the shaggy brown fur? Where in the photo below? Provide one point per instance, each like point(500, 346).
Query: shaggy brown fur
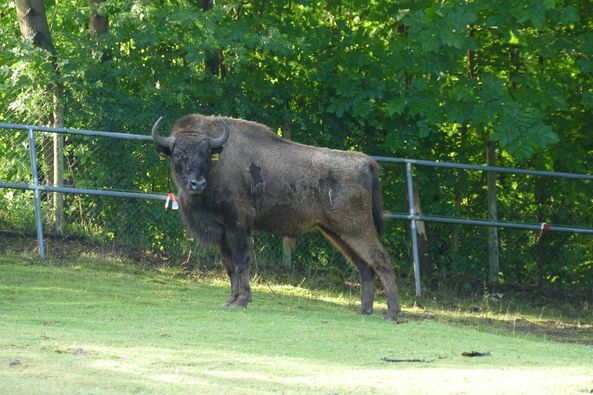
point(261, 181)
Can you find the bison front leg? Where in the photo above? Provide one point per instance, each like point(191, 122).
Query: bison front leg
point(227, 261)
point(241, 248)
point(367, 274)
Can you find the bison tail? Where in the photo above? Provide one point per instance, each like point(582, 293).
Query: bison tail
point(377, 200)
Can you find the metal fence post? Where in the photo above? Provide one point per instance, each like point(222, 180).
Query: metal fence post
point(413, 229)
point(36, 194)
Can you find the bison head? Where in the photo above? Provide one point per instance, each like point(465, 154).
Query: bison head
point(191, 155)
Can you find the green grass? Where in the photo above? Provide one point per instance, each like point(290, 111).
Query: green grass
point(102, 326)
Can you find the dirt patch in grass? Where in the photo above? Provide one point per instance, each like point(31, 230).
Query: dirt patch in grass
point(76, 351)
point(64, 247)
point(557, 330)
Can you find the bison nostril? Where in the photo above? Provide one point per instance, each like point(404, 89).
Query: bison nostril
point(197, 185)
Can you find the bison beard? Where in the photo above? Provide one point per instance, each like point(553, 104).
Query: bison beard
point(262, 182)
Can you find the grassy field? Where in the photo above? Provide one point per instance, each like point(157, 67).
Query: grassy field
point(100, 326)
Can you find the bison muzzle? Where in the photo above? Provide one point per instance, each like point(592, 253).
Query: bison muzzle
point(235, 176)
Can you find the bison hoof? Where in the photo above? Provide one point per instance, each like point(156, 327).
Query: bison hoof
point(230, 301)
point(391, 315)
point(366, 311)
point(240, 302)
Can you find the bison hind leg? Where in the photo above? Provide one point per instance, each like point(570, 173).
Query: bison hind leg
point(367, 274)
point(388, 279)
point(367, 286)
point(372, 254)
point(378, 259)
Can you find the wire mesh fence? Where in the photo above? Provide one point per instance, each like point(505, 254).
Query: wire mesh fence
point(543, 255)
point(15, 165)
point(449, 253)
point(460, 254)
point(521, 198)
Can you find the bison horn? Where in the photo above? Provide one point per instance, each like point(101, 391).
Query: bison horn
point(162, 141)
point(219, 141)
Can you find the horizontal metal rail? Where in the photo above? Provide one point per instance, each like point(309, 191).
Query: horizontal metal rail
point(482, 222)
point(126, 136)
point(484, 168)
point(84, 191)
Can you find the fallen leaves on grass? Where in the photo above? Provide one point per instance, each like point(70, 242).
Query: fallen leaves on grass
point(476, 354)
point(77, 351)
point(14, 362)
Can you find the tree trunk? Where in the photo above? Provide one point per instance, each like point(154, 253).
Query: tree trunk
point(98, 23)
point(58, 140)
point(539, 197)
point(423, 240)
point(288, 247)
point(461, 180)
point(33, 25)
point(460, 186)
point(215, 61)
point(493, 253)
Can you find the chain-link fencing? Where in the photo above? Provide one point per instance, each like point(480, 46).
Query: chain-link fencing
point(531, 248)
point(96, 164)
point(453, 253)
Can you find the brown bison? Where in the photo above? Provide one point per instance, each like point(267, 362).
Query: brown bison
point(234, 176)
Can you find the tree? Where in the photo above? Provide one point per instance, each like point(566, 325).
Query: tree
point(98, 23)
point(34, 27)
point(495, 82)
point(33, 24)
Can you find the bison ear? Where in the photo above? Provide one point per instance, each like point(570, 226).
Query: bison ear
point(163, 151)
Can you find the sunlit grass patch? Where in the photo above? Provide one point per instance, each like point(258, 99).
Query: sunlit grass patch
point(94, 326)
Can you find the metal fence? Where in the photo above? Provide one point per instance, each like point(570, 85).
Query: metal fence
point(98, 197)
point(114, 187)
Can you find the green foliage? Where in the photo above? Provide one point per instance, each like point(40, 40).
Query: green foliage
point(17, 211)
point(413, 78)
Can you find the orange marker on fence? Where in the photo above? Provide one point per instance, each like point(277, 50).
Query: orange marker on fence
point(173, 200)
point(545, 227)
